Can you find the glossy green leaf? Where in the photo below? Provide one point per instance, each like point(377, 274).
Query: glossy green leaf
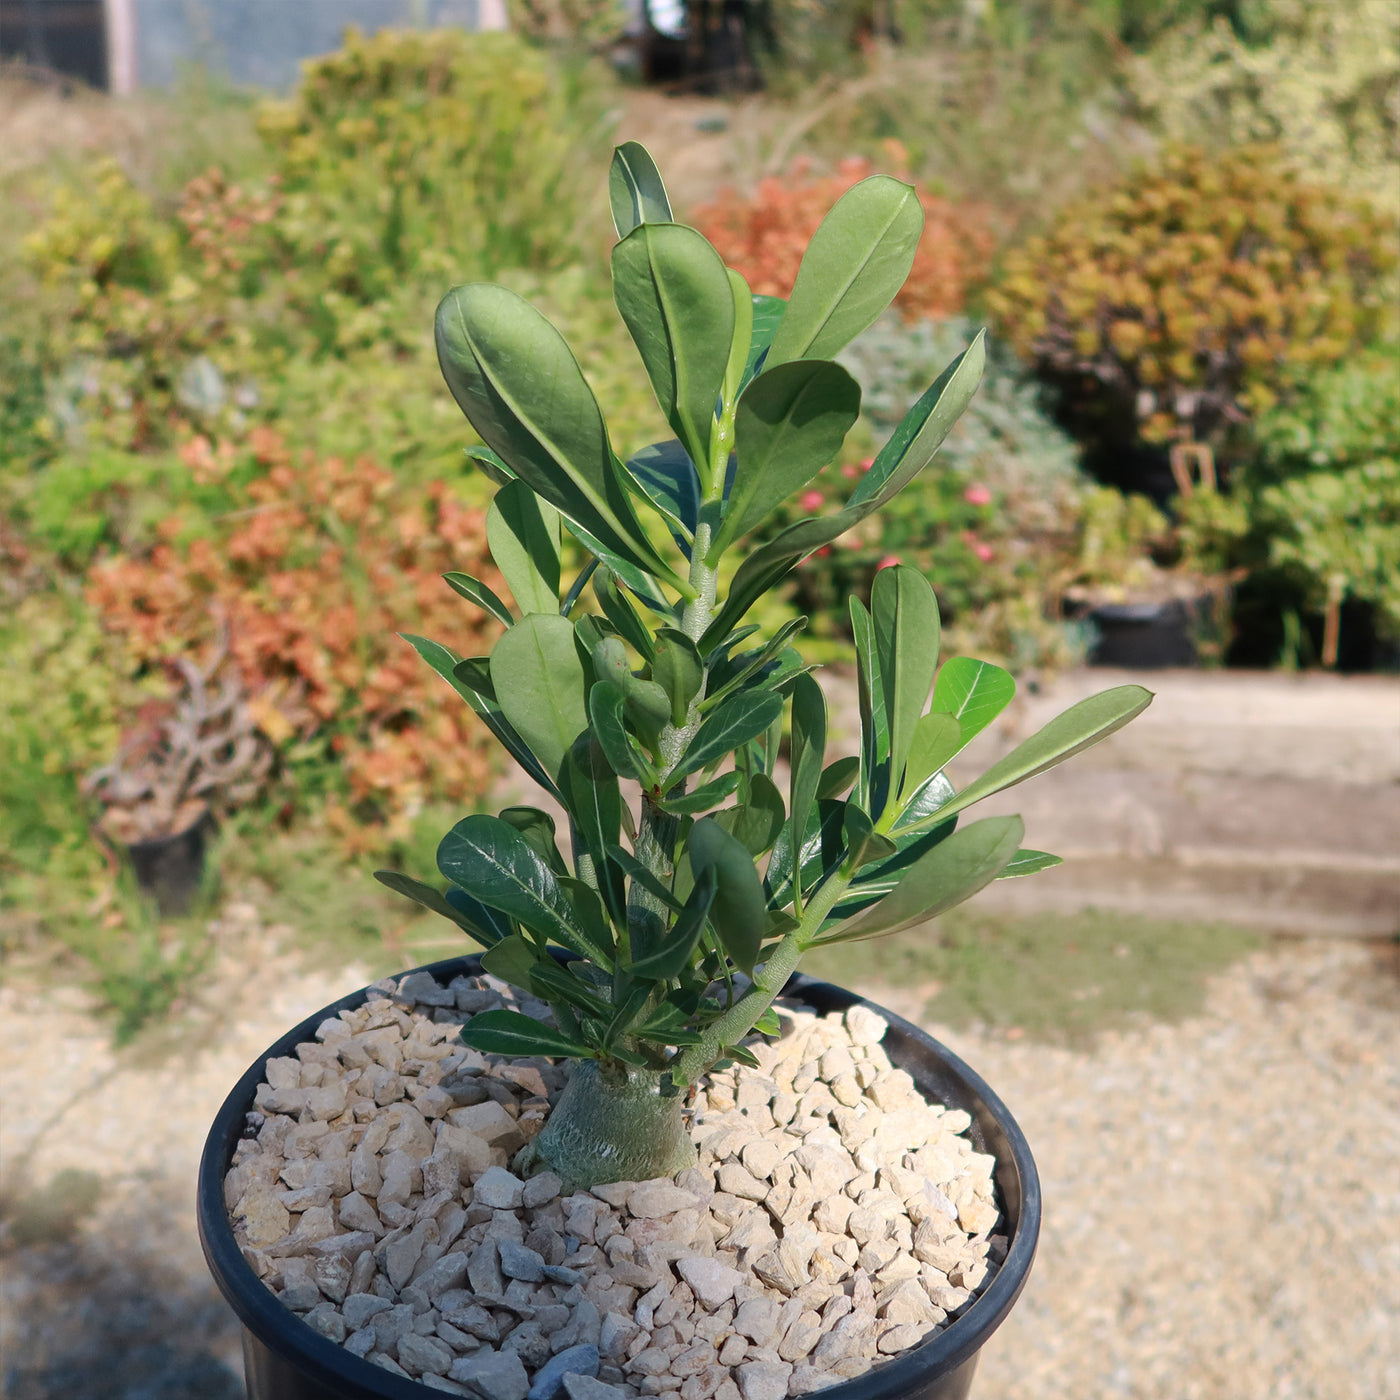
point(951, 872)
point(874, 723)
point(488, 926)
point(904, 616)
point(739, 907)
point(808, 753)
point(856, 261)
point(677, 668)
point(593, 799)
point(494, 863)
point(700, 799)
point(837, 777)
point(768, 1023)
point(524, 393)
point(973, 692)
point(541, 687)
point(767, 317)
point(607, 705)
point(667, 1026)
point(667, 477)
point(635, 189)
point(742, 717)
point(512, 960)
point(490, 465)
point(1029, 863)
point(556, 984)
point(461, 675)
point(730, 675)
point(435, 900)
point(674, 294)
point(537, 828)
point(510, 1033)
point(756, 822)
point(618, 610)
point(743, 335)
point(589, 918)
point(477, 592)
point(673, 956)
point(523, 534)
point(1080, 726)
point(790, 423)
point(864, 844)
point(822, 849)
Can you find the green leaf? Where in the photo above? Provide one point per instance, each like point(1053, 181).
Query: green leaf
point(701, 799)
point(618, 610)
point(472, 678)
point(537, 828)
point(668, 479)
point(938, 739)
point(524, 393)
point(837, 777)
point(739, 907)
point(672, 957)
point(639, 873)
point(607, 704)
point(973, 692)
point(477, 592)
point(756, 822)
point(791, 421)
point(541, 687)
point(1029, 863)
point(808, 753)
point(767, 317)
point(522, 532)
point(667, 1026)
point(494, 863)
point(490, 465)
point(874, 724)
point(488, 926)
point(904, 616)
point(904, 456)
point(864, 844)
point(822, 849)
point(555, 984)
point(510, 1033)
point(743, 336)
point(462, 676)
point(677, 668)
point(740, 718)
point(635, 189)
point(857, 260)
point(512, 960)
point(433, 899)
point(951, 872)
point(1080, 726)
point(768, 1023)
point(674, 294)
point(593, 800)
point(726, 679)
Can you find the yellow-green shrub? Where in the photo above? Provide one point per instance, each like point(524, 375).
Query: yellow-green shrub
point(1199, 289)
point(1324, 84)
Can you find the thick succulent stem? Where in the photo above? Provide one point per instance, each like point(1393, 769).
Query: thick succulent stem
point(612, 1124)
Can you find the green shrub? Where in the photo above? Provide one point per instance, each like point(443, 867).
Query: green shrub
point(1320, 78)
point(437, 155)
point(1197, 292)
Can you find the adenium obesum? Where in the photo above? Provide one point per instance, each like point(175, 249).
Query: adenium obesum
point(700, 855)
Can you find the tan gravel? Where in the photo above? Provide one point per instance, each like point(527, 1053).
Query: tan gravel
point(1222, 1196)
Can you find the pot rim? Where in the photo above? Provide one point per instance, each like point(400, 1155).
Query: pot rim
point(263, 1314)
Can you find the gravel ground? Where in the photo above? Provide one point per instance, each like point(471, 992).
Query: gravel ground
point(1222, 1201)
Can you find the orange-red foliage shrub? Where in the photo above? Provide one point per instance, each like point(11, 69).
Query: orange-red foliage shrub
point(763, 237)
point(314, 579)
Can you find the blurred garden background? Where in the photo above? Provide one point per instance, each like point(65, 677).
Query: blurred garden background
point(230, 473)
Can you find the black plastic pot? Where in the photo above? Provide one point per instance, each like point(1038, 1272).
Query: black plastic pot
point(171, 868)
point(284, 1359)
point(1148, 636)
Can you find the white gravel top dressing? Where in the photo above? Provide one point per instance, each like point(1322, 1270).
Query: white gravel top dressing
point(834, 1219)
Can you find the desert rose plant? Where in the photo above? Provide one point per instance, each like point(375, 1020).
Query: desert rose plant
point(694, 877)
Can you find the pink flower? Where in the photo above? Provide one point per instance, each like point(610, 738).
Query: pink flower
point(977, 495)
point(888, 562)
point(867, 464)
point(980, 548)
point(811, 501)
point(822, 552)
point(850, 472)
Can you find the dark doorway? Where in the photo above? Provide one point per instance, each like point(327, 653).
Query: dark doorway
point(67, 37)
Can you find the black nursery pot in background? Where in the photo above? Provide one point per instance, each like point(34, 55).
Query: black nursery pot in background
point(170, 869)
point(284, 1359)
point(1148, 636)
